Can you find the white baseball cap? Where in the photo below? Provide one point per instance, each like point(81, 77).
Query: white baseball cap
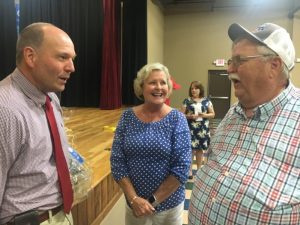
point(271, 35)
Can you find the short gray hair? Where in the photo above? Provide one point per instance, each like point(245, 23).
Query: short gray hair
point(262, 49)
point(144, 73)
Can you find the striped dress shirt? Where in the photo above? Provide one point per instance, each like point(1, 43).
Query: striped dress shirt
point(253, 172)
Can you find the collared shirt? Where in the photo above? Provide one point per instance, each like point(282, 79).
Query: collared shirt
point(148, 153)
point(252, 175)
point(28, 176)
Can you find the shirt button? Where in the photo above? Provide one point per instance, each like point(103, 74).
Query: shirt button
point(213, 200)
point(238, 152)
point(226, 173)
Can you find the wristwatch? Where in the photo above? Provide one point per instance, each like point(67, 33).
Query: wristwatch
point(153, 201)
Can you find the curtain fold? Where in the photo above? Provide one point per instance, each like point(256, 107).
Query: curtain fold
point(110, 97)
point(8, 37)
point(83, 21)
point(134, 51)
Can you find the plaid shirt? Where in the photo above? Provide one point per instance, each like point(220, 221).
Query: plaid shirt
point(253, 172)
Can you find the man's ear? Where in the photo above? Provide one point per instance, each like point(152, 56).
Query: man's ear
point(276, 63)
point(276, 66)
point(29, 55)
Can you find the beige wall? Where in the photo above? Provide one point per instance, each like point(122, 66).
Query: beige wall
point(193, 40)
point(296, 38)
point(155, 23)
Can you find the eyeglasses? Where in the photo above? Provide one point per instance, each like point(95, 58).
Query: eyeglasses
point(238, 60)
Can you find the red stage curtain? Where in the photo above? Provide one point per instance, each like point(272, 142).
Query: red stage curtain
point(110, 79)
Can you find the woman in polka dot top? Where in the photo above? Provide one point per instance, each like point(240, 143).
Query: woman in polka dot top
point(151, 152)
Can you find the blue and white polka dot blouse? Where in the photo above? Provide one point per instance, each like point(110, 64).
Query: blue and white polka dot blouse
point(149, 152)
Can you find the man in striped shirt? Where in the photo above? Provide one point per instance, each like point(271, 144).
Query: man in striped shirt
point(252, 174)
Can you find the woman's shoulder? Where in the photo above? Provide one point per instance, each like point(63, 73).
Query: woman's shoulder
point(135, 109)
point(176, 114)
point(128, 112)
point(177, 120)
point(188, 100)
point(205, 100)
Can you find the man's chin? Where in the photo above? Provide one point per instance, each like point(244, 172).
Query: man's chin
point(60, 88)
point(238, 95)
point(56, 90)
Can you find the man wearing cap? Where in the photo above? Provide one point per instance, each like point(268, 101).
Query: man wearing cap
point(253, 169)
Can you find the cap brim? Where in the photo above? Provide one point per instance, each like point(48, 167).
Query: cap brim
point(237, 31)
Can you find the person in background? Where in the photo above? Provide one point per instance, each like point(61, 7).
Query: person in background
point(252, 175)
point(198, 110)
point(151, 153)
point(29, 185)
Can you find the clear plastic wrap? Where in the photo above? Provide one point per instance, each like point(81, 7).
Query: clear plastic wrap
point(81, 176)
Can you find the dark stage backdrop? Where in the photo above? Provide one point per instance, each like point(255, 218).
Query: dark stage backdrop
point(8, 37)
point(84, 21)
point(134, 46)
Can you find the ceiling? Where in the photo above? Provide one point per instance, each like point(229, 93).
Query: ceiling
point(205, 5)
point(170, 6)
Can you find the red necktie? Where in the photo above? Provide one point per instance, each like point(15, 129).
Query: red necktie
point(61, 163)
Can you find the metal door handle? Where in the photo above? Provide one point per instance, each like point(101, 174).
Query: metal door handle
point(218, 97)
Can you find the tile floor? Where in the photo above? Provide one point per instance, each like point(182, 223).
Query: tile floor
point(188, 192)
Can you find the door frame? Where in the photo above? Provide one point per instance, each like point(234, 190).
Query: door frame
point(225, 96)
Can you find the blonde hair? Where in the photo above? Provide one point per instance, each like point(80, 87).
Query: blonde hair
point(144, 73)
